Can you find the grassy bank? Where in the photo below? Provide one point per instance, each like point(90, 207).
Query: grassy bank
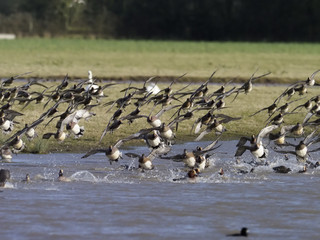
point(127, 59)
point(123, 59)
point(243, 106)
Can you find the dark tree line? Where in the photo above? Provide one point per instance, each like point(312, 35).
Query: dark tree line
point(248, 20)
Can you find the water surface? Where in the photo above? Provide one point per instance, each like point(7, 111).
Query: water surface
point(106, 201)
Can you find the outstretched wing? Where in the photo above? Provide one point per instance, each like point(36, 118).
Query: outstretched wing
point(241, 150)
point(211, 145)
point(94, 151)
point(132, 155)
point(263, 132)
point(47, 135)
point(202, 134)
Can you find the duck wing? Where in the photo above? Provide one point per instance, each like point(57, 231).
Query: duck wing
point(47, 135)
point(212, 144)
point(203, 133)
point(263, 132)
point(94, 151)
point(132, 155)
point(241, 150)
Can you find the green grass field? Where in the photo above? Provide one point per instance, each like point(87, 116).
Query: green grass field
point(125, 59)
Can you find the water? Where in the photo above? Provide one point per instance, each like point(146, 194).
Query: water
point(106, 201)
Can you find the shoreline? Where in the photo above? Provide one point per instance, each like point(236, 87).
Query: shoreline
point(274, 81)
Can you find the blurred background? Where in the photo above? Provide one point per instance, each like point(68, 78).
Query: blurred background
point(212, 20)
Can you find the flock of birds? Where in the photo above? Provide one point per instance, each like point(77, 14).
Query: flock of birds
point(80, 99)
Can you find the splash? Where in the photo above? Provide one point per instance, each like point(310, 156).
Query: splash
point(84, 176)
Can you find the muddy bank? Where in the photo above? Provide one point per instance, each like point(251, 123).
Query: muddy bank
point(264, 80)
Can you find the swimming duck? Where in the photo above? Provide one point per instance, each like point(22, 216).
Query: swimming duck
point(189, 158)
point(281, 169)
point(242, 171)
point(145, 161)
point(6, 154)
point(202, 162)
point(62, 178)
point(4, 176)
point(191, 175)
point(243, 233)
point(304, 169)
point(313, 165)
point(27, 178)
